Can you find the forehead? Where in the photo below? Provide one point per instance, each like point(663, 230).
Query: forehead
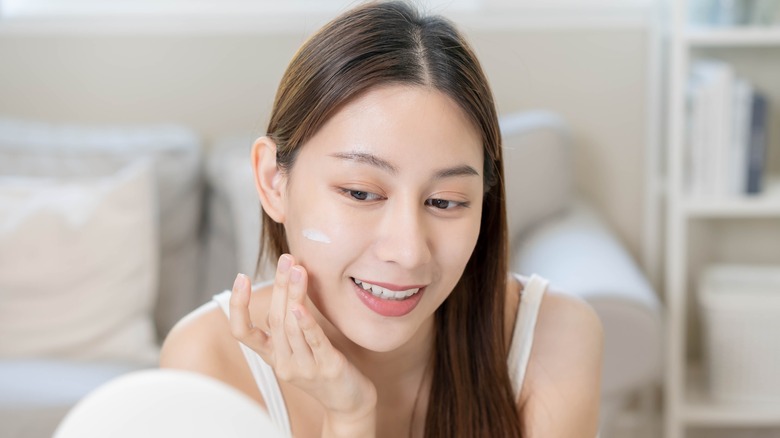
point(399, 121)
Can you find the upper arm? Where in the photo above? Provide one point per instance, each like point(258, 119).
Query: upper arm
point(561, 394)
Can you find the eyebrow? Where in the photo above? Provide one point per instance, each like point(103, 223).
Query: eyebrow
point(373, 160)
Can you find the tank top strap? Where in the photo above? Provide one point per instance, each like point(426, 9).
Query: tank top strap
point(264, 377)
point(523, 333)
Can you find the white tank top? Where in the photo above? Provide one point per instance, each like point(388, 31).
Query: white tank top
point(517, 360)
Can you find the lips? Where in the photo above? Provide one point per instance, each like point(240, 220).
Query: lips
point(385, 299)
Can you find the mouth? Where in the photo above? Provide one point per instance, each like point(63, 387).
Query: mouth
point(388, 300)
point(386, 293)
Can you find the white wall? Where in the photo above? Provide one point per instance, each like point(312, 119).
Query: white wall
point(218, 83)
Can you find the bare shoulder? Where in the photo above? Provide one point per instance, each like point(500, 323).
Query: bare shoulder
point(197, 342)
point(203, 343)
point(561, 393)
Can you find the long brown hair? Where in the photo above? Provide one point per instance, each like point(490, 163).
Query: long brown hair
point(382, 43)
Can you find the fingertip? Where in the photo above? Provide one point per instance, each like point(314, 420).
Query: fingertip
point(240, 282)
point(296, 275)
point(285, 262)
point(297, 284)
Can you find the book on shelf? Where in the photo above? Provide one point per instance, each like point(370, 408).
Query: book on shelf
point(734, 12)
point(726, 132)
point(758, 145)
point(740, 135)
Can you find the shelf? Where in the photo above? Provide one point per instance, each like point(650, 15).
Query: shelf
point(742, 228)
point(701, 410)
point(733, 36)
point(766, 204)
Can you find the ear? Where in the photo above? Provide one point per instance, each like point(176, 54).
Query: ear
point(269, 179)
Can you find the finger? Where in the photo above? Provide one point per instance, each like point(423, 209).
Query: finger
point(301, 351)
point(325, 355)
point(278, 311)
point(240, 322)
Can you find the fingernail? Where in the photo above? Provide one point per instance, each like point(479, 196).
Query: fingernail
point(240, 282)
point(295, 275)
point(284, 264)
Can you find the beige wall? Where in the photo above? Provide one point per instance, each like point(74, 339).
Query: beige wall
point(596, 80)
point(222, 83)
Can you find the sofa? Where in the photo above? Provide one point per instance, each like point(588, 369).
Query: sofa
point(154, 223)
point(559, 235)
point(100, 255)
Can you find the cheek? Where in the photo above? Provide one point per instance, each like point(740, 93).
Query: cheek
point(458, 244)
point(324, 240)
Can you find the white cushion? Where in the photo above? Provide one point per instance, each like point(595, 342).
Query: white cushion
point(41, 149)
point(583, 257)
point(78, 266)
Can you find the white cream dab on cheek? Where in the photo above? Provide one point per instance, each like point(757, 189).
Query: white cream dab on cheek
point(315, 235)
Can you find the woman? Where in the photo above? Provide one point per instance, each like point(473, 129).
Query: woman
point(392, 312)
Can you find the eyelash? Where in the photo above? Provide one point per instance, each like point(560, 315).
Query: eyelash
point(429, 202)
point(351, 193)
point(454, 204)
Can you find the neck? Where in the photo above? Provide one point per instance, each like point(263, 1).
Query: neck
point(407, 361)
point(402, 377)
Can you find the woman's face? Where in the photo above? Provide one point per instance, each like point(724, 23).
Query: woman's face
point(388, 193)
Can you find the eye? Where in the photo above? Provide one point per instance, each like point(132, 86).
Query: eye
point(360, 195)
point(357, 194)
point(443, 204)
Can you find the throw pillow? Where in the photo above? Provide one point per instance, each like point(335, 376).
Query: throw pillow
point(78, 266)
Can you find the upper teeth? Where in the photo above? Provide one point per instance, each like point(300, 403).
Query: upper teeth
point(386, 294)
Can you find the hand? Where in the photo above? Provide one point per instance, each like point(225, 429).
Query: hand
point(298, 350)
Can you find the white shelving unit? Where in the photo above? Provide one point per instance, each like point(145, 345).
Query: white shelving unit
point(732, 37)
point(687, 404)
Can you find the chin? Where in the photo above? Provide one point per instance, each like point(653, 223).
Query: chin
point(375, 339)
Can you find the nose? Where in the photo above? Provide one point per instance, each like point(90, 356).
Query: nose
point(403, 236)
